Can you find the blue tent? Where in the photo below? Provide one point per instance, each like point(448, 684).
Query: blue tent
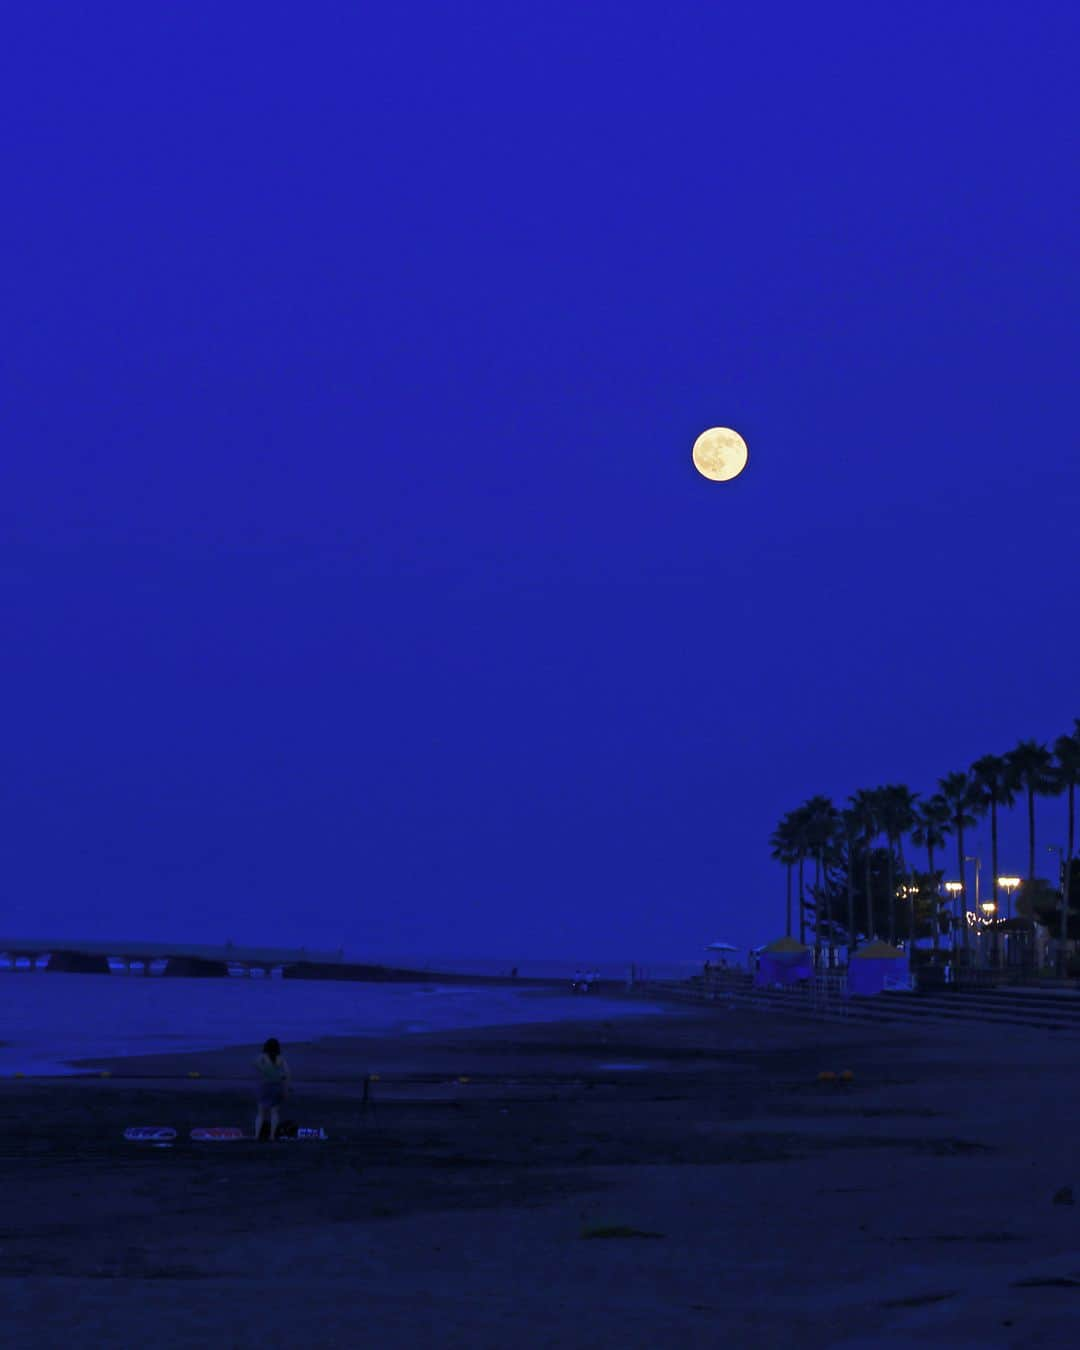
point(784, 961)
point(877, 966)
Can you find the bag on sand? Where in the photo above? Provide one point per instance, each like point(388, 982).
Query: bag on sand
point(287, 1129)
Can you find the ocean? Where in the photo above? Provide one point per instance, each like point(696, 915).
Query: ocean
point(49, 1019)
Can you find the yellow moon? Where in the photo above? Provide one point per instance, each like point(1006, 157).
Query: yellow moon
point(720, 454)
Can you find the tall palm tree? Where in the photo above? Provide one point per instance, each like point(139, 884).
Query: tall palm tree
point(1067, 764)
point(1032, 765)
point(851, 824)
point(929, 832)
point(897, 817)
point(785, 849)
point(959, 794)
point(800, 835)
point(820, 818)
point(866, 807)
point(995, 784)
point(931, 827)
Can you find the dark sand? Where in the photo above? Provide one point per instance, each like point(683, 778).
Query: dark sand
point(914, 1206)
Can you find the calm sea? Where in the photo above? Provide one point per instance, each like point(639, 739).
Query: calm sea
point(48, 1019)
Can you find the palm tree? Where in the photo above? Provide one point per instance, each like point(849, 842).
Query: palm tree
point(929, 831)
point(897, 817)
point(785, 849)
point(1032, 766)
point(1067, 757)
point(801, 841)
point(931, 827)
point(865, 806)
point(995, 783)
point(851, 824)
point(820, 821)
point(958, 793)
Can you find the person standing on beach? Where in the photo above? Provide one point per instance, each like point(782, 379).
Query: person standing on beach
point(273, 1070)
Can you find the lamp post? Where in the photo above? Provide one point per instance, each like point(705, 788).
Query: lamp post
point(1056, 848)
point(977, 908)
point(978, 866)
point(989, 915)
point(1008, 885)
point(954, 888)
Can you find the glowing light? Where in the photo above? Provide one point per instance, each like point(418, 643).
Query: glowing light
point(720, 454)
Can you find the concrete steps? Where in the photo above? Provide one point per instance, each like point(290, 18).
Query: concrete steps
point(1042, 1011)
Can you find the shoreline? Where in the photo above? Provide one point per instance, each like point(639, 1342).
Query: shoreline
point(231, 1063)
point(137, 1021)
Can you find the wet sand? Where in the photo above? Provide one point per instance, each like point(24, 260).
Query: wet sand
point(673, 1179)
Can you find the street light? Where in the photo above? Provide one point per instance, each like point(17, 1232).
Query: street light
point(1008, 885)
point(954, 888)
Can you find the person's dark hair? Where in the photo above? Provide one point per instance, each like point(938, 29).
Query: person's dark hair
point(272, 1049)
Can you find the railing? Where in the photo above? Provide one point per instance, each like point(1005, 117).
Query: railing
point(824, 995)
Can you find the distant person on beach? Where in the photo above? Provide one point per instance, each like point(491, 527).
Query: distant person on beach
point(273, 1070)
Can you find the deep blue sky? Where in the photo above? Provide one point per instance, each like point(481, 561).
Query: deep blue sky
point(357, 586)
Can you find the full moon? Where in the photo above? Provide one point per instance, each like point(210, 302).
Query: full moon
point(720, 454)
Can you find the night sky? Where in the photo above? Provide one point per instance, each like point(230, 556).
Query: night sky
point(356, 584)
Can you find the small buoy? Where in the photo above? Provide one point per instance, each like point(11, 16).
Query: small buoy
point(193, 1073)
point(847, 1076)
point(464, 1080)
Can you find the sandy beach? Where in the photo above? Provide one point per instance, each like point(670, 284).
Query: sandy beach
point(682, 1178)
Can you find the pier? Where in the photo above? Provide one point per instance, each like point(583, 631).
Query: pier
point(97, 957)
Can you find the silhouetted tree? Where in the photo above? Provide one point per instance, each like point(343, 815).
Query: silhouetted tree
point(1067, 768)
point(785, 849)
point(897, 815)
point(1032, 765)
point(995, 785)
point(960, 795)
point(866, 807)
point(929, 832)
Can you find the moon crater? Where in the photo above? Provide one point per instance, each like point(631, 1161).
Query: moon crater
point(720, 454)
